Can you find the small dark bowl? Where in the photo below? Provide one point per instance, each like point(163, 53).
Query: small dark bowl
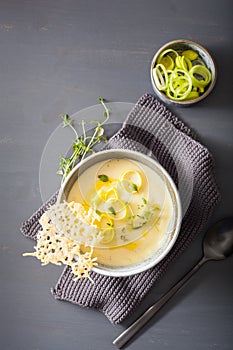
point(181, 45)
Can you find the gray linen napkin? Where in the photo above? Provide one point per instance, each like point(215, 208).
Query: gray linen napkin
point(152, 129)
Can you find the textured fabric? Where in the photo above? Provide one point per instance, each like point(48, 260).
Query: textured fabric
point(152, 129)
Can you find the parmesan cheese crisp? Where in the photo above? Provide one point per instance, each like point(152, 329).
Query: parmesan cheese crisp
point(65, 227)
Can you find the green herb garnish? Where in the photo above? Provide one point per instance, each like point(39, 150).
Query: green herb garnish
point(133, 187)
point(103, 178)
point(112, 210)
point(83, 144)
point(140, 226)
point(98, 212)
point(144, 200)
point(129, 218)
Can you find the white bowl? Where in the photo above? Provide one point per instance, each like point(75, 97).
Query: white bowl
point(175, 221)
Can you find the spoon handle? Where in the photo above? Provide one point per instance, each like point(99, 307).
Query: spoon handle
point(125, 336)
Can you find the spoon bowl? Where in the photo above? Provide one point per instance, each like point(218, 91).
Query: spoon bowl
point(218, 242)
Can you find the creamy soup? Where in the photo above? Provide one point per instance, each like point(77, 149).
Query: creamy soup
point(133, 206)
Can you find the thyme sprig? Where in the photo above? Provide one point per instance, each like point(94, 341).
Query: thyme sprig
point(82, 144)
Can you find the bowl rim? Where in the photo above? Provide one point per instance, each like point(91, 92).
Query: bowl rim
point(162, 96)
point(140, 268)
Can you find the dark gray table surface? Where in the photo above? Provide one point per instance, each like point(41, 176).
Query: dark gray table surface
point(59, 57)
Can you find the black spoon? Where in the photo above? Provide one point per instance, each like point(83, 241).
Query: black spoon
point(217, 245)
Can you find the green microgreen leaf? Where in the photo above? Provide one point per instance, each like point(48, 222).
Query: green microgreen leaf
point(112, 210)
point(133, 187)
point(103, 178)
point(66, 120)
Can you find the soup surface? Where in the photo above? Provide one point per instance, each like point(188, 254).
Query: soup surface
point(134, 209)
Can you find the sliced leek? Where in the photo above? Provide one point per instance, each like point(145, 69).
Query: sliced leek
point(160, 76)
point(168, 62)
point(170, 52)
point(200, 76)
point(116, 209)
point(105, 221)
point(190, 54)
point(181, 75)
point(108, 235)
point(131, 180)
point(109, 193)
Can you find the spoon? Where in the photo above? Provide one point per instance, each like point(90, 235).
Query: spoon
point(217, 245)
